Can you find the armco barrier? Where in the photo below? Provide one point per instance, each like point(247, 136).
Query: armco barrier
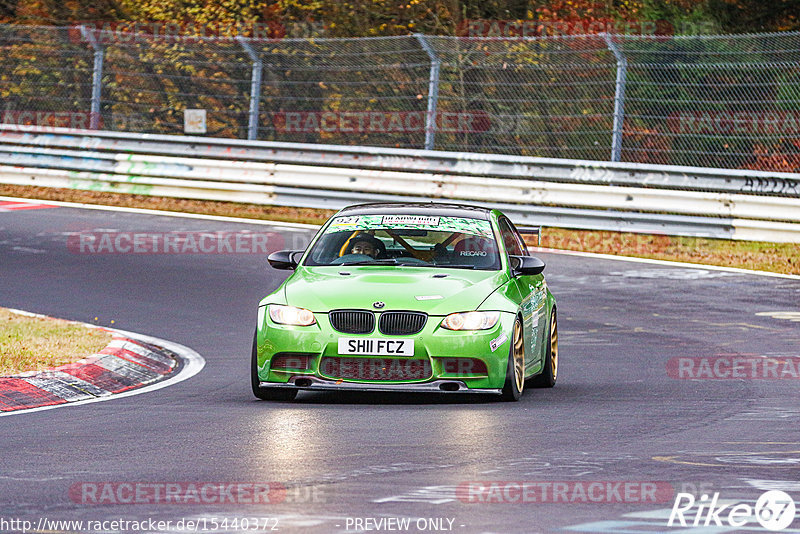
point(735, 204)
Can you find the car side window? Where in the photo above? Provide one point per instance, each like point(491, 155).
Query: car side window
point(519, 239)
point(513, 243)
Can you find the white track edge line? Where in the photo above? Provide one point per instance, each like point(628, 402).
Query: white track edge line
point(668, 263)
point(653, 261)
point(145, 211)
point(193, 363)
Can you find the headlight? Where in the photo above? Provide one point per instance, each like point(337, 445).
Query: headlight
point(473, 320)
point(291, 315)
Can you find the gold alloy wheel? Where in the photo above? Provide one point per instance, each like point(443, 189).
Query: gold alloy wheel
point(519, 356)
point(554, 344)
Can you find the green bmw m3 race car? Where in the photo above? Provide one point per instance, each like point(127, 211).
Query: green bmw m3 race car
point(408, 297)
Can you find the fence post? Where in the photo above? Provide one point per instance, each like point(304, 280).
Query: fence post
point(619, 98)
point(97, 77)
point(433, 91)
point(255, 88)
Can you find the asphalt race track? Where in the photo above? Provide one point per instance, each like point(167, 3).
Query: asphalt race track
point(354, 462)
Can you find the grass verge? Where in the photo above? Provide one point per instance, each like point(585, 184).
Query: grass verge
point(206, 207)
point(36, 343)
point(761, 256)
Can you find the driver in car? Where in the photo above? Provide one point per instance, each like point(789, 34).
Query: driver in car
point(368, 245)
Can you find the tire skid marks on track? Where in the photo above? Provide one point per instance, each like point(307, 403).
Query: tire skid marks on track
point(791, 486)
point(666, 325)
point(671, 274)
point(572, 467)
point(426, 494)
point(767, 413)
point(779, 456)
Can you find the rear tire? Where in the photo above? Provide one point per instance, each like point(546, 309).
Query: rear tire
point(273, 394)
point(515, 370)
point(549, 374)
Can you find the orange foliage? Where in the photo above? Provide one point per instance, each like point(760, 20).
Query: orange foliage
point(775, 158)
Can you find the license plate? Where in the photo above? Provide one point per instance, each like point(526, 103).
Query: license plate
point(376, 347)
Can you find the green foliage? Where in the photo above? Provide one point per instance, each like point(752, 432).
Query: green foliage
point(752, 16)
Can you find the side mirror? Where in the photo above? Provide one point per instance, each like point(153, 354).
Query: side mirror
point(283, 259)
point(526, 265)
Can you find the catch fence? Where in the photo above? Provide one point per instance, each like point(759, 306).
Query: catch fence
point(711, 101)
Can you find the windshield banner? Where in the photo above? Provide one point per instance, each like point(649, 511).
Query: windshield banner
point(412, 222)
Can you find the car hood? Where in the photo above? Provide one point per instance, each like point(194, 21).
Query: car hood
point(321, 289)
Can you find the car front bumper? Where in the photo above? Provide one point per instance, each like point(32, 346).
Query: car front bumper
point(432, 346)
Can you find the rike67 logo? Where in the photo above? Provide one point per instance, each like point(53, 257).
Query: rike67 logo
point(774, 510)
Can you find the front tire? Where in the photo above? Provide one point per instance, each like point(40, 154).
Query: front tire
point(515, 370)
point(273, 394)
point(547, 378)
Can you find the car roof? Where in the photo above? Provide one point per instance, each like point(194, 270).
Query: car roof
point(418, 208)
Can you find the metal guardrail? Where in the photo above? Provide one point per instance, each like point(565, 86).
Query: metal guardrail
point(455, 163)
point(567, 193)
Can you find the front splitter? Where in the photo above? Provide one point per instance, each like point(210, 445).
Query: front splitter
point(313, 383)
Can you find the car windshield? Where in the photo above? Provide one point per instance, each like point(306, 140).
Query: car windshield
point(408, 240)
